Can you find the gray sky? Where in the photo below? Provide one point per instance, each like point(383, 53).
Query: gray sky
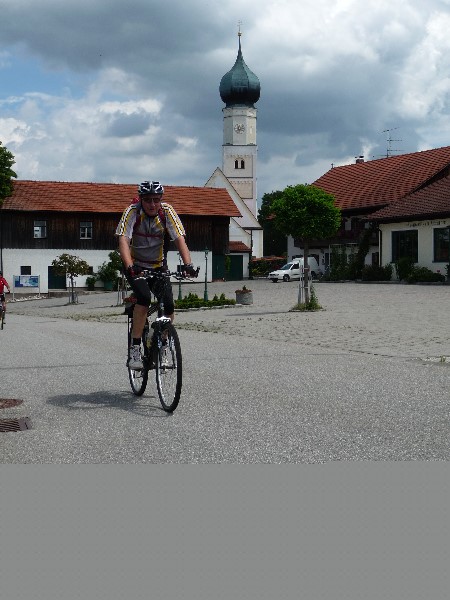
point(117, 91)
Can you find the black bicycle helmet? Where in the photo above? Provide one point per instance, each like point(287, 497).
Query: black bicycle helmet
point(152, 188)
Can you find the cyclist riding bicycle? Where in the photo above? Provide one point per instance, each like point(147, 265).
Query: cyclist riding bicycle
point(3, 284)
point(142, 232)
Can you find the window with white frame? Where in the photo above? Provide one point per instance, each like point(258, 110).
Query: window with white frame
point(86, 230)
point(40, 229)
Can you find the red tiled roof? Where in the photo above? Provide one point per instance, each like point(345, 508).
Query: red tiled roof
point(114, 198)
point(239, 247)
point(379, 182)
point(429, 201)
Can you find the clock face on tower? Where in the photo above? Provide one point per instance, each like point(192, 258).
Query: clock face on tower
point(239, 128)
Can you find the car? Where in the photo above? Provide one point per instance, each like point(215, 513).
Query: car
point(291, 270)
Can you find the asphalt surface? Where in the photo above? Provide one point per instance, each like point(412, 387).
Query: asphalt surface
point(365, 379)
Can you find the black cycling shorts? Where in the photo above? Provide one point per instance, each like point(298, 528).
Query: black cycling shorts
point(143, 289)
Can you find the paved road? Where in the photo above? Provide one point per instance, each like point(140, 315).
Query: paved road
point(367, 378)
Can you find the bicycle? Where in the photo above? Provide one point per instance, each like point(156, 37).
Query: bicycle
point(2, 312)
point(162, 349)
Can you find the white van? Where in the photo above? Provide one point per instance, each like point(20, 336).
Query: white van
point(291, 270)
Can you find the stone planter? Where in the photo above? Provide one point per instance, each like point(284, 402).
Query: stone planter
point(244, 297)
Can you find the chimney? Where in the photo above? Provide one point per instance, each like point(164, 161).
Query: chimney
point(359, 159)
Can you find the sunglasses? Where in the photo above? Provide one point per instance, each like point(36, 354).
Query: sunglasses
point(155, 200)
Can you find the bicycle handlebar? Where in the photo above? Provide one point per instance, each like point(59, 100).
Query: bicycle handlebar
point(157, 273)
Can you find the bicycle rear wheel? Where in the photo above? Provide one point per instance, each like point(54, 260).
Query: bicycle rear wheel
point(169, 372)
point(1, 318)
point(138, 379)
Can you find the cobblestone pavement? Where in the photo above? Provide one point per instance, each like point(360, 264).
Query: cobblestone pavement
point(411, 321)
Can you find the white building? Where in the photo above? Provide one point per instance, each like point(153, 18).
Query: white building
point(240, 90)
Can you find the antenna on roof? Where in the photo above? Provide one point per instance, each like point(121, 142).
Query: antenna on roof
point(389, 141)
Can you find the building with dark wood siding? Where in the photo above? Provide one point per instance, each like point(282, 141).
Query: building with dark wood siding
point(43, 219)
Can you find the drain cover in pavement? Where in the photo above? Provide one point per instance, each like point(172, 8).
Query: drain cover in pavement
point(21, 424)
point(7, 402)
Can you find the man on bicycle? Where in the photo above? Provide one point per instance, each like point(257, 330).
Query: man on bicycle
point(142, 231)
point(3, 284)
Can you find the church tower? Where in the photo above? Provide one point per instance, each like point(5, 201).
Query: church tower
point(240, 90)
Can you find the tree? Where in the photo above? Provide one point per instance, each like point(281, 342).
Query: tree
point(71, 266)
point(6, 173)
point(115, 260)
point(274, 240)
point(308, 213)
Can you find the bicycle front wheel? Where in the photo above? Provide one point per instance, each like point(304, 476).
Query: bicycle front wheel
point(169, 371)
point(1, 318)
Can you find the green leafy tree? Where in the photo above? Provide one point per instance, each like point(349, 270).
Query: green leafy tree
point(308, 213)
point(71, 266)
point(115, 260)
point(6, 173)
point(275, 243)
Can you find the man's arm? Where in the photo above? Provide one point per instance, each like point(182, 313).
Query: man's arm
point(125, 252)
point(182, 248)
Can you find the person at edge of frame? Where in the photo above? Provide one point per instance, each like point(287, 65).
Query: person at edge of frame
point(3, 284)
point(141, 233)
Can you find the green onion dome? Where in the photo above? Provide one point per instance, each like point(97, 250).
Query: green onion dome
point(240, 86)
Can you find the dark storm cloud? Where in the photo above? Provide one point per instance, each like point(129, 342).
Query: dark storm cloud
point(122, 125)
point(334, 76)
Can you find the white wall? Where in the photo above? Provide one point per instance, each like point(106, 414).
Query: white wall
point(425, 241)
point(40, 260)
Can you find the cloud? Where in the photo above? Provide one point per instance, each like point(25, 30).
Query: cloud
point(117, 92)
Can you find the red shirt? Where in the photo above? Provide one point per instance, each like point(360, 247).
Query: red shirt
point(3, 284)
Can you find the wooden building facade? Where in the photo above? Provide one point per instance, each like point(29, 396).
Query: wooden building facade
point(42, 220)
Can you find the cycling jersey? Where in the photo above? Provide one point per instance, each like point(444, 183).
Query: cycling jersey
point(147, 233)
point(3, 284)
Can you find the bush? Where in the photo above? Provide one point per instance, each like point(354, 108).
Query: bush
point(339, 265)
point(376, 273)
point(404, 267)
point(424, 275)
point(193, 301)
point(261, 267)
point(107, 272)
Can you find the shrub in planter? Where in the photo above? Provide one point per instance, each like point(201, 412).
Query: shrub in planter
point(90, 282)
point(107, 273)
point(244, 296)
